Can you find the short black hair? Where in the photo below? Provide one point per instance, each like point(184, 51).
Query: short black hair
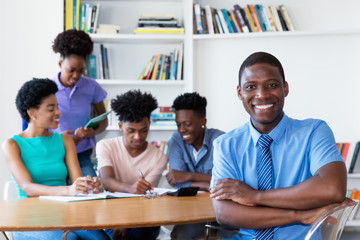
point(32, 93)
point(191, 101)
point(133, 106)
point(261, 57)
point(73, 42)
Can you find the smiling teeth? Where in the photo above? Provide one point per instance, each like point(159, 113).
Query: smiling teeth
point(264, 106)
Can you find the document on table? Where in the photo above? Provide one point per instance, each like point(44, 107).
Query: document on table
point(95, 196)
point(103, 195)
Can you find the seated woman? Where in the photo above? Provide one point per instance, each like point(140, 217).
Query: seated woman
point(41, 162)
point(120, 158)
point(191, 153)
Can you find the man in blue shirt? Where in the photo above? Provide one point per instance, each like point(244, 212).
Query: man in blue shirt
point(308, 175)
point(191, 153)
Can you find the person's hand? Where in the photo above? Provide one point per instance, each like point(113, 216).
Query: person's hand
point(237, 191)
point(84, 132)
point(175, 176)
point(75, 138)
point(140, 186)
point(82, 185)
point(309, 216)
point(97, 186)
point(120, 233)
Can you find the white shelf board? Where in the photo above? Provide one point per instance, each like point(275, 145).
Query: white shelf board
point(275, 34)
point(354, 175)
point(137, 38)
point(120, 82)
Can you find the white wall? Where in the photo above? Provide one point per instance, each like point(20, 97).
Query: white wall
point(27, 29)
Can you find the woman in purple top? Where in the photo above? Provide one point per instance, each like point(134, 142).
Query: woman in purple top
point(78, 95)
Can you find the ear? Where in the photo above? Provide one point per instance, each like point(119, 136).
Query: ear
point(32, 113)
point(238, 90)
point(60, 62)
point(203, 121)
point(120, 126)
point(286, 89)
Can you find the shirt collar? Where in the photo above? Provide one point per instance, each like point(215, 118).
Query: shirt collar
point(61, 87)
point(206, 141)
point(275, 134)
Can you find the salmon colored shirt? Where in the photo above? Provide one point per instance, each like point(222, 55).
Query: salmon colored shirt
point(112, 152)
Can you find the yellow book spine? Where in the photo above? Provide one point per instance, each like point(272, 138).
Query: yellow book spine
point(69, 5)
point(156, 66)
point(77, 14)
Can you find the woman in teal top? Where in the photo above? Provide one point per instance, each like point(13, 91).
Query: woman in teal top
point(41, 161)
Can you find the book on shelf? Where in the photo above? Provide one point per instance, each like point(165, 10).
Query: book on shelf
point(287, 19)
point(69, 6)
point(197, 19)
point(176, 30)
point(104, 60)
point(108, 29)
point(81, 16)
point(250, 18)
point(350, 153)
point(165, 109)
point(209, 19)
point(164, 66)
point(92, 73)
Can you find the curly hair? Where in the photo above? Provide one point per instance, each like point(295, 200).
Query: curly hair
point(73, 42)
point(261, 57)
point(32, 93)
point(191, 101)
point(133, 106)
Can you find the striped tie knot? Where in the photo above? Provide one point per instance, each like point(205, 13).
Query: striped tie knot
point(265, 141)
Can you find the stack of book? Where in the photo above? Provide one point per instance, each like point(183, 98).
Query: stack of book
point(158, 24)
point(81, 16)
point(108, 29)
point(252, 18)
point(98, 65)
point(164, 66)
point(162, 145)
point(163, 119)
point(350, 153)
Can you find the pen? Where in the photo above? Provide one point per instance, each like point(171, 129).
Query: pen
point(141, 174)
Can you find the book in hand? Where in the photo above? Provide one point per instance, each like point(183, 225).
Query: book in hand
point(94, 122)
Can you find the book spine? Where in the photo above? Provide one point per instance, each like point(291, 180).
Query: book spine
point(159, 67)
point(255, 18)
point(203, 20)
point(102, 52)
point(199, 25)
point(69, 10)
point(282, 21)
point(156, 66)
point(276, 18)
point(258, 15)
point(235, 21)
point(250, 19)
point(96, 17)
point(223, 22)
point(92, 66)
point(209, 19)
point(287, 18)
point(88, 14)
point(180, 62)
point(221, 29)
point(264, 18)
point(215, 24)
point(145, 72)
point(271, 18)
point(227, 20)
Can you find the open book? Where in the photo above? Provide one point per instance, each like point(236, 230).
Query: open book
point(103, 195)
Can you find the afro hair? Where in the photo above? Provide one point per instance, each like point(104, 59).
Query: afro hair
point(73, 42)
point(191, 101)
point(32, 93)
point(133, 106)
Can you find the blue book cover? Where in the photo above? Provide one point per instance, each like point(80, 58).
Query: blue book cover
point(256, 7)
point(264, 18)
point(223, 11)
point(92, 66)
point(74, 15)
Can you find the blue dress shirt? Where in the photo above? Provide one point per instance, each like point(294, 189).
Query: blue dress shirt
point(299, 149)
point(181, 155)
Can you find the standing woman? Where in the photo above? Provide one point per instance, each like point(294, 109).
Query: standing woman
point(41, 161)
point(78, 95)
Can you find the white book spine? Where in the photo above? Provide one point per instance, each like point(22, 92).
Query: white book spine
point(276, 18)
point(222, 20)
point(180, 62)
point(209, 19)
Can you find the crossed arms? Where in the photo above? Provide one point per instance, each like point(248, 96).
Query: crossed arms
point(262, 209)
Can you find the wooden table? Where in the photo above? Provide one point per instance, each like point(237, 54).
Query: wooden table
point(33, 214)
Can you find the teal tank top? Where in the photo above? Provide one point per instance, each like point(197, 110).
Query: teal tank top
point(44, 158)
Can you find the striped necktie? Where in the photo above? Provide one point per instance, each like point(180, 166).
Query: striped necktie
point(264, 169)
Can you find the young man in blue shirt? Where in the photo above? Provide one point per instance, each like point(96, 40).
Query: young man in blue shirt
point(306, 174)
